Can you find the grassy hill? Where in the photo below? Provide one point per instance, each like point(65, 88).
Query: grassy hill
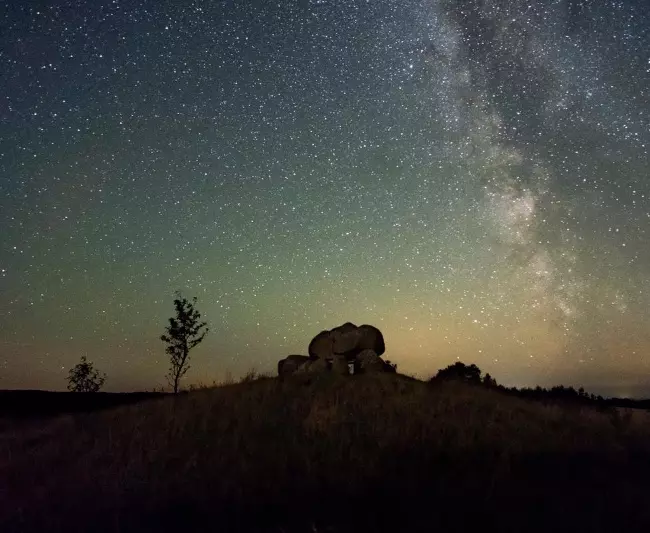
point(339, 454)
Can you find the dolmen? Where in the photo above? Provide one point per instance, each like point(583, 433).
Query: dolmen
point(343, 350)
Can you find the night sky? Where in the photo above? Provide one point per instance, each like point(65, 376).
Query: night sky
point(472, 177)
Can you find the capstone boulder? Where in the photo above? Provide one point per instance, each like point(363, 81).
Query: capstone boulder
point(346, 340)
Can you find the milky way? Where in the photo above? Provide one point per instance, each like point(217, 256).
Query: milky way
point(472, 177)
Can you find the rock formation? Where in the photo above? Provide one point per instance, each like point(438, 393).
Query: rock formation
point(369, 361)
point(347, 340)
point(336, 349)
point(340, 366)
point(290, 364)
point(312, 366)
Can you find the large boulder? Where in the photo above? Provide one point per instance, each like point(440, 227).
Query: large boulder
point(370, 338)
point(346, 341)
point(340, 366)
point(368, 361)
point(290, 364)
point(320, 346)
point(313, 366)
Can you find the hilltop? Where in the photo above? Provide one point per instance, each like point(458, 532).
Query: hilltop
point(329, 453)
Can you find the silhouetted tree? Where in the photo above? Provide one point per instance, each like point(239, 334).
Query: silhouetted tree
point(84, 378)
point(184, 332)
point(489, 381)
point(461, 372)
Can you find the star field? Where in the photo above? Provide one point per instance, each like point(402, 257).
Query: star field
point(472, 177)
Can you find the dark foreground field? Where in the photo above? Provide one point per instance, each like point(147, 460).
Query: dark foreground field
point(364, 453)
point(21, 405)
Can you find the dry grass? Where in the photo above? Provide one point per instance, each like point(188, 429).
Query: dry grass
point(330, 454)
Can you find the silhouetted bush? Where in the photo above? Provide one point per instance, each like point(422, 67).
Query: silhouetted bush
point(489, 381)
point(84, 378)
point(459, 372)
point(390, 366)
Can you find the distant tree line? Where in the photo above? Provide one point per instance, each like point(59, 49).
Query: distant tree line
point(472, 374)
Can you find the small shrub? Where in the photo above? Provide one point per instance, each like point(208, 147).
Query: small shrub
point(84, 378)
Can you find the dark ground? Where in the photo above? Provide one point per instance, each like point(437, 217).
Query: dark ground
point(364, 453)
